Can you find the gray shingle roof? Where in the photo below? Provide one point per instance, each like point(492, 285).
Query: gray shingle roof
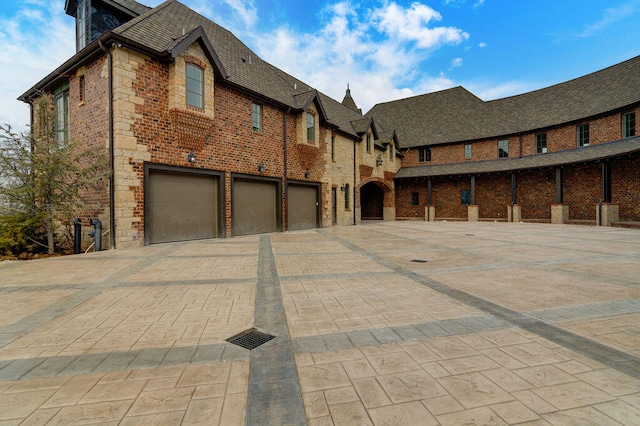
point(131, 5)
point(456, 115)
point(158, 29)
point(552, 159)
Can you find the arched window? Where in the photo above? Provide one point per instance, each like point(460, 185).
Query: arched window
point(346, 197)
point(195, 86)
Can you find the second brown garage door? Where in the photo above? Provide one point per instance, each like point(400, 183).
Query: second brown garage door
point(303, 207)
point(254, 206)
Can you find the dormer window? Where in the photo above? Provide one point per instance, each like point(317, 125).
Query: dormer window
point(311, 128)
point(82, 23)
point(195, 86)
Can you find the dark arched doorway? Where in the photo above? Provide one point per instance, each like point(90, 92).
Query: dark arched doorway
point(372, 202)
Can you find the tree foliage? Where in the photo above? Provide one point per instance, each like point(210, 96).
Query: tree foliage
point(43, 181)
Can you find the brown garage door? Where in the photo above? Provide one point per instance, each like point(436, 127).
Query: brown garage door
point(181, 207)
point(303, 207)
point(254, 207)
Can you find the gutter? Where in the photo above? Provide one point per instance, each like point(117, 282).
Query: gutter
point(112, 207)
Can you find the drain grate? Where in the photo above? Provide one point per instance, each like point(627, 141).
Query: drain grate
point(250, 339)
point(418, 261)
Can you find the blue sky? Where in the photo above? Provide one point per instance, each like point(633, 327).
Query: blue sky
point(383, 49)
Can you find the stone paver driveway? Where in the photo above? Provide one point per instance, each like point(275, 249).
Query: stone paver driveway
point(384, 324)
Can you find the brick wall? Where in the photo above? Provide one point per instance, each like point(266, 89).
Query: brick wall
point(582, 191)
point(625, 188)
point(146, 132)
point(536, 192)
point(493, 195)
point(601, 130)
point(89, 124)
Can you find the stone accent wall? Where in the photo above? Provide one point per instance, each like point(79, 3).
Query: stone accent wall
point(340, 173)
point(151, 120)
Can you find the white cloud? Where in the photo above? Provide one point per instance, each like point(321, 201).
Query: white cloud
point(33, 42)
point(611, 16)
point(411, 25)
point(379, 51)
point(457, 62)
point(483, 44)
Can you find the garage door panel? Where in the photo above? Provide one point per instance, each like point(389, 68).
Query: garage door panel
point(303, 207)
point(181, 207)
point(254, 207)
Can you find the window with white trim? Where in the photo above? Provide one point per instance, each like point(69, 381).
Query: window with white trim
point(628, 124)
point(195, 86)
point(256, 117)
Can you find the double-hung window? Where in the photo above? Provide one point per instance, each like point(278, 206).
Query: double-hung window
point(311, 128)
point(424, 155)
point(582, 134)
point(195, 86)
point(61, 117)
point(541, 143)
point(368, 142)
point(256, 117)
point(628, 124)
point(503, 148)
point(468, 150)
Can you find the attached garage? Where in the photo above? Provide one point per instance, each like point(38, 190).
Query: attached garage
point(181, 205)
point(255, 206)
point(303, 206)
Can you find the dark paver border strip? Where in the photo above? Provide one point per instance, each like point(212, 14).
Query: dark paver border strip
point(32, 368)
point(359, 338)
point(613, 358)
point(274, 395)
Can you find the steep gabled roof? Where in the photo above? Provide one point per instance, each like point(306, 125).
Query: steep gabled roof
point(166, 30)
point(198, 35)
point(160, 28)
point(456, 115)
point(438, 117)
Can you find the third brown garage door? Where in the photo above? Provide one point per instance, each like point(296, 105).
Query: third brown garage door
point(303, 207)
point(254, 206)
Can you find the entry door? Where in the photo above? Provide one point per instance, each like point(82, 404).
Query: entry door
point(303, 207)
point(254, 207)
point(181, 207)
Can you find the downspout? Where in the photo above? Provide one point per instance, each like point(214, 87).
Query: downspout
point(112, 198)
point(355, 183)
point(286, 169)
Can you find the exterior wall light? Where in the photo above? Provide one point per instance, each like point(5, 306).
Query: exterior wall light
point(191, 157)
point(261, 168)
point(379, 161)
point(307, 175)
point(342, 188)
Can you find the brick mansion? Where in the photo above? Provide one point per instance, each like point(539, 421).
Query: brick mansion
point(204, 139)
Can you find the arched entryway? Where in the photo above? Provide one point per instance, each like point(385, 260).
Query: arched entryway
point(372, 201)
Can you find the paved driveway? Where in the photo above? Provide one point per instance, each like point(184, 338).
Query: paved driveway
point(384, 323)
